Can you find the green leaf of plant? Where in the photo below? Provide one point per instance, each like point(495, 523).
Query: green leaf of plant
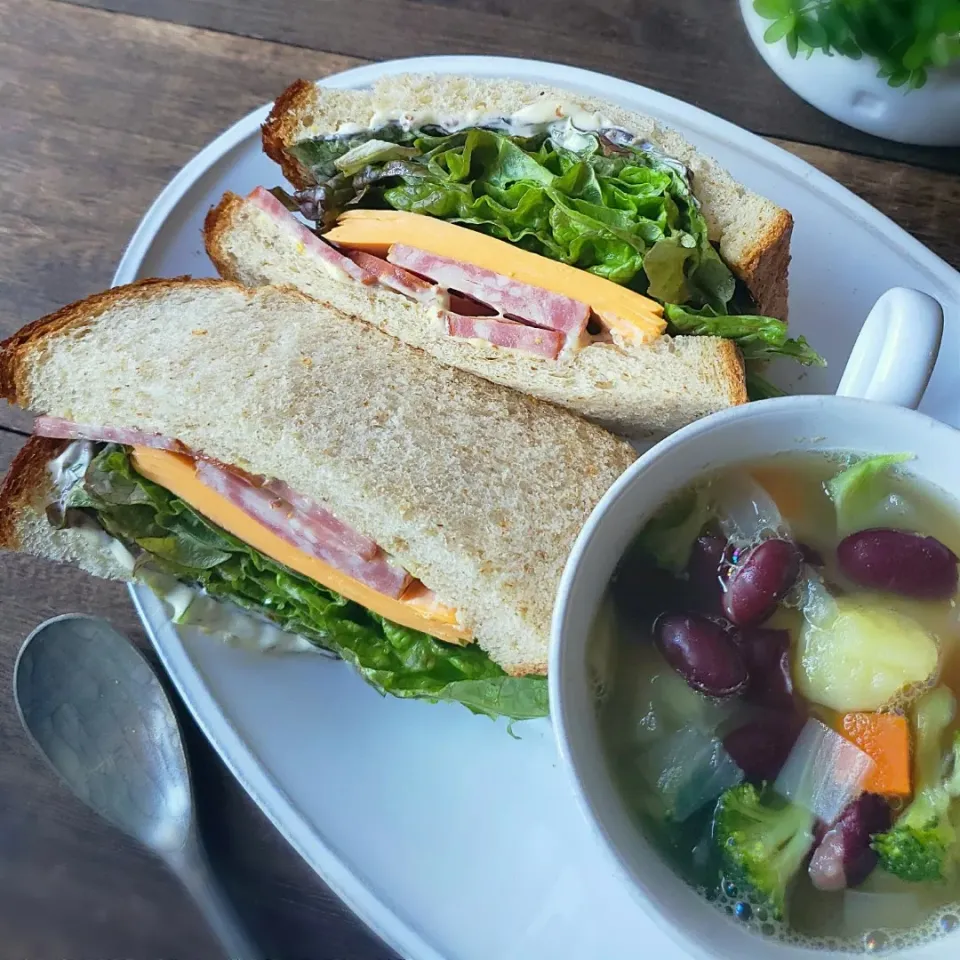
point(810, 32)
point(772, 9)
point(781, 28)
point(792, 44)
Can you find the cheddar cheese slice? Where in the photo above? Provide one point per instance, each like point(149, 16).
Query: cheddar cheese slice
point(418, 609)
point(636, 318)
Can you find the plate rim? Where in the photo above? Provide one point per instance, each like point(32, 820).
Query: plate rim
point(376, 913)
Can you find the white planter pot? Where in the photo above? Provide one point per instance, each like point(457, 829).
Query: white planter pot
point(850, 91)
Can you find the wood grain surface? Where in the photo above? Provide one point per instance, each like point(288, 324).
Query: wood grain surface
point(98, 110)
point(697, 50)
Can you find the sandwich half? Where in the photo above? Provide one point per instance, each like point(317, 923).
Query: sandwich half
point(264, 450)
point(556, 244)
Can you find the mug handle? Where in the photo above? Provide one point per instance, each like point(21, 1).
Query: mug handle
point(895, 352)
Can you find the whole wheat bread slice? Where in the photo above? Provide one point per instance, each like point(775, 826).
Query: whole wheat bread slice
point(477, 490)
point(650, 389)
point(753, 232)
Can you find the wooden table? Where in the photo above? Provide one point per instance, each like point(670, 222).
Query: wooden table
point(101, 102)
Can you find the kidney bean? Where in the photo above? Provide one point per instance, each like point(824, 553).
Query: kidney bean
point(766, 653)
point(760, 580)
point(843, 857)
point(899, 562)
point(705, 591)
point(702, 652)
point(760, 747)
point(642, 591)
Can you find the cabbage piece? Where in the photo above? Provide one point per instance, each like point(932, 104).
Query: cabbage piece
point(669, 535)
point(658, 702)
point(824, 772)
point(862, 499)
point(862, 656)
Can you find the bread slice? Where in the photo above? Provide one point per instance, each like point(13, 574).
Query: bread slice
point(650, 389)
point(753, 232)
point(476, 490)
point(24, 527)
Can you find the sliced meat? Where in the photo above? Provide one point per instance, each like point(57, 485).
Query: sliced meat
point(61, 429)
point(296, 518)
point(394, 277)
point(506, 333)
point(467, 306)
point(298, 529)
point(331, 257)
point(551, 311)
point(348, 538)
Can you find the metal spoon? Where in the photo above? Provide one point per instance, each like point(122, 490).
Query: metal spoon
point(97, 712)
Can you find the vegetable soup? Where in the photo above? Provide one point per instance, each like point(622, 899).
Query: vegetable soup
point(777, 667)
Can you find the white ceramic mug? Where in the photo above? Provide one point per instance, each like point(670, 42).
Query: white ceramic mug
point(890, 364)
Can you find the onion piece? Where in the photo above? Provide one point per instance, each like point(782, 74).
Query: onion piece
point(824, 772)
point(817, 604)
point(688, 770)
point(745, 511)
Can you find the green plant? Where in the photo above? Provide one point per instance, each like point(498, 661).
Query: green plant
point(906, 37)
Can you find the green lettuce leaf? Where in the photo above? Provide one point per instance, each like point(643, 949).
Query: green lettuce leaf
point(758, 387)
point(599, 201)
point(759, 338)
point(622, 211)
point(394, 659)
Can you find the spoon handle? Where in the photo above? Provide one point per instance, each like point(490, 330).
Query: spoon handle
point(191, 866)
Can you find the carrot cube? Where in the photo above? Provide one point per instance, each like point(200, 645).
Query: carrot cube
point(885, 737)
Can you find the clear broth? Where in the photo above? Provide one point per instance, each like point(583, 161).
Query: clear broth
point(884, 912)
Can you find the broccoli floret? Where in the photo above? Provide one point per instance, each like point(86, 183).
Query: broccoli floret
point(762, 845)
point(918, 846)
point(922, 845)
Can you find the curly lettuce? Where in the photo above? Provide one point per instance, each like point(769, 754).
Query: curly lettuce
point(175, 539)
point(602, 202)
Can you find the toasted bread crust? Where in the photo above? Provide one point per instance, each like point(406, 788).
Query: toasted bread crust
point(766, 265)
point(732, 361)
point(216, 225)
point(277, 130)
point(25, 479)
point(15, 350)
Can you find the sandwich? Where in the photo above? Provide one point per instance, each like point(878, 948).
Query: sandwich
point(558, 245)
point(259, 449)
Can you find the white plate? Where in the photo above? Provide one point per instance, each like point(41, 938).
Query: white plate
point(447, 836)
